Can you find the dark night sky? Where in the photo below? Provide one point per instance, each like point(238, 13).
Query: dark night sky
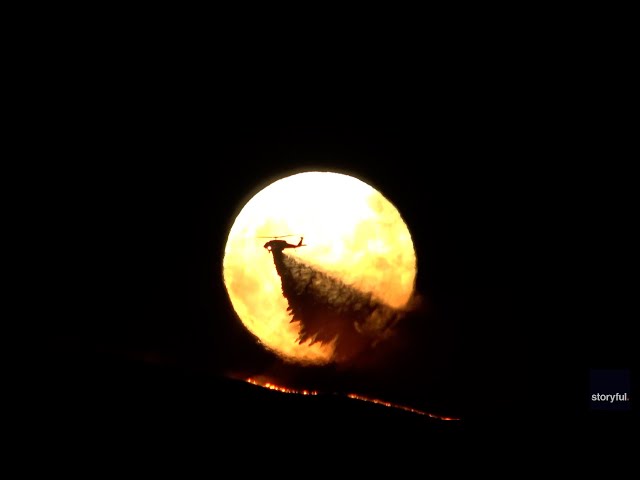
point(515, 193)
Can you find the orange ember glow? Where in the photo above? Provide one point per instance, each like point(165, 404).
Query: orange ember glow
point(272, 386)
point(399, 407)
point(353, 396)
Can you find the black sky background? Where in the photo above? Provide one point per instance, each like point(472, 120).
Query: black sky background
point(515, 187)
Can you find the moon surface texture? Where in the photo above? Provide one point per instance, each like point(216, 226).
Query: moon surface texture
point(319, 266)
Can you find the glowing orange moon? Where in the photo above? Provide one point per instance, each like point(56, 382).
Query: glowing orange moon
point(350, 230)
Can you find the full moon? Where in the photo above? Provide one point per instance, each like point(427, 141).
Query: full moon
point(351, 233)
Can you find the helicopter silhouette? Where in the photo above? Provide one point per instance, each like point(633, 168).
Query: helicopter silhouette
point(282, 244)
point(327, 309)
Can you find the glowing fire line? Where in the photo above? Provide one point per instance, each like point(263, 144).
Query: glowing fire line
point(353, 396)
point(400, 407)
point(278, 388)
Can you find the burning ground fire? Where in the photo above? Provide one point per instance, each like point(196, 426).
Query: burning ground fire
point(400, 407)
point(278, 388)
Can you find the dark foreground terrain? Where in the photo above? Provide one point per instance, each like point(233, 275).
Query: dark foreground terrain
point(103, 400)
